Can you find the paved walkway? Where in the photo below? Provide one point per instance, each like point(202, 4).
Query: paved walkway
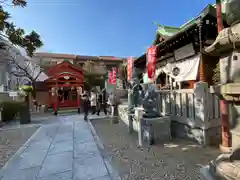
point(63, 150)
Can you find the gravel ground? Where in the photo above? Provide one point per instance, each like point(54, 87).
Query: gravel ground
point(11, 140)
point(176, 160)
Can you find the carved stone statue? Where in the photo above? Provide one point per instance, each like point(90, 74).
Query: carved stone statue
point(150, 101)
point(227, 47)
point(134, 91)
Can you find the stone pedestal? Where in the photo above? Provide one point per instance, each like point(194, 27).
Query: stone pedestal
point(158, 129)
point(226, 47)
point(227, 166)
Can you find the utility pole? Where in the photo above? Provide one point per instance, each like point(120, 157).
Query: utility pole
point(224, 109)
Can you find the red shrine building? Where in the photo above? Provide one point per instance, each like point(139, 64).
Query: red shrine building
point(65, 77)
point(65, 83)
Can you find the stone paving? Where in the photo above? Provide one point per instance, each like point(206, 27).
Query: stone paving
point(63, 150)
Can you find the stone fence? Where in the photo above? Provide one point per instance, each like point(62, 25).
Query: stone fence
point(194, 113)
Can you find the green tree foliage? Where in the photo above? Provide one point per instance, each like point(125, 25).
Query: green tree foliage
point(216, 76)
point(17, 36)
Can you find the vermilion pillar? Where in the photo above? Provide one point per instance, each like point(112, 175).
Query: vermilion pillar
point(224, 111)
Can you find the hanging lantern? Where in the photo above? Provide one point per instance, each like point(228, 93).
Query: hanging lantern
point(129, 68)
point(151, 61)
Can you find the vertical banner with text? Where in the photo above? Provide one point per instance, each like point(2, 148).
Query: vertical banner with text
point(110, 77)
point(114, 75)
point(151, 61)
point(129, 68)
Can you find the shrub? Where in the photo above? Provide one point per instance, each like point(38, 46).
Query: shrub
point(10, 109)
point(216, 76)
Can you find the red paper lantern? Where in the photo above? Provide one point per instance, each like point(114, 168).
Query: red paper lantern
point(151, 61)
point(129, 68)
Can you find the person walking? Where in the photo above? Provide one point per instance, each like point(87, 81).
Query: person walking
point(102, 102)
point(86, 105)
point(93, 101)
point(111, 101)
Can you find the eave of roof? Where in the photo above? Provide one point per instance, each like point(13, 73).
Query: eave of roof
point(208, 10)
point(96, 58)
point(54, 55)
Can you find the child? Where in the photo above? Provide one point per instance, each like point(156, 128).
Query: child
point(86, 104)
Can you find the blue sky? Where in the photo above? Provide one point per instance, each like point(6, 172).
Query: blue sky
point(102, 27)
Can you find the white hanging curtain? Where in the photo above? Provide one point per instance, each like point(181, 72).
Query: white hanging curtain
point(188, 69)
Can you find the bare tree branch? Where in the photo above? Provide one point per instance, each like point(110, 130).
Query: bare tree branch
point(21, 69)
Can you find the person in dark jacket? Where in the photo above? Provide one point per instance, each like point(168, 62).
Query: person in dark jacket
point(102, 102)
point(86, 105)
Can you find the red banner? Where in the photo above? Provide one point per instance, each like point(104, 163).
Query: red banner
point(151, 61)
point(110, 77)
point(129, 68)
point(114, 75)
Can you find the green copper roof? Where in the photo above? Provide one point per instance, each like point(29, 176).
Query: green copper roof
point(167, 30)
point(170, 30)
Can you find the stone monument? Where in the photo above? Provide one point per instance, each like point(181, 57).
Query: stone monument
point(149, 101)
point(133, 97)
point(227, 47)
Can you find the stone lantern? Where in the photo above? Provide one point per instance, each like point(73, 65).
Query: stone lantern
point(227, 48)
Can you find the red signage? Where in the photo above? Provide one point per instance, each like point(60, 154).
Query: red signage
point(151, 61)
point(110, 77)
point(129, 68)
point(114, 75)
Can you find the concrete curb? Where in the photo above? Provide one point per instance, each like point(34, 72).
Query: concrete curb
point(20, 127)
point(112, 172)
point(99, 118)
point(18, 153)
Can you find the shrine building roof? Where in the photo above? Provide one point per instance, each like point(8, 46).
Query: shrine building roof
point(178, 35)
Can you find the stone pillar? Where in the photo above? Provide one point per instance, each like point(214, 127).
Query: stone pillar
point(139, 118)
point(133, 95)
point(130, 116)
point(200, 104)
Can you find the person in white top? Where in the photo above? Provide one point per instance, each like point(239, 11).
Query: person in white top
point(93, 101)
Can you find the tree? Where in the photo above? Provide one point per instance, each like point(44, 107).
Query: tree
point(21, 66)
point(88, 66)
point(216, 75)
point(94, 75)
point(30, 42)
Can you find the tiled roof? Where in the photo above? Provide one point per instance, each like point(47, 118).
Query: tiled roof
point(170, 30)
point(54, 55)
point(104, 58)
point(77, 57)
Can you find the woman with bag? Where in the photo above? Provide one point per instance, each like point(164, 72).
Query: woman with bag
point(93, 101)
